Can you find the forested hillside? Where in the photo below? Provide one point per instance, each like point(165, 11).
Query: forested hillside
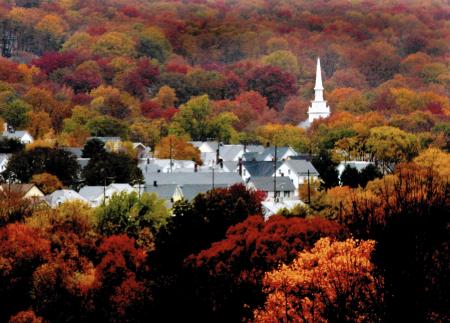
point(369, 245)
point(76, 68)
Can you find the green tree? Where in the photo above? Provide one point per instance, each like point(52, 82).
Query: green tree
point(24, 164)
point(193, 118)
point(326, 168)
point(138, 217)
point(391, 145)
point(93, 147)
point(111, 167)
point(15, 113)
point(153, 43)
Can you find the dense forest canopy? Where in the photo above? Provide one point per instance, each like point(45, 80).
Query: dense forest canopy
point(75, 68)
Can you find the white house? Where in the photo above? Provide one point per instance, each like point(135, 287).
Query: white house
point(274, 207)
point(297, 170)
point(4, 158)
point(96, 194)
point(21, 135)
point(61, 196)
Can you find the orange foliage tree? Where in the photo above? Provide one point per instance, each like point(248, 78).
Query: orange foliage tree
point(334, 281)
point(178, 148)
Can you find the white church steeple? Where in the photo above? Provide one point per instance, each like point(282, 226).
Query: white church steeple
point(318, 88)
point(318, 108)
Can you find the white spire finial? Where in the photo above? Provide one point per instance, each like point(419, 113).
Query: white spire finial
point(318, 85)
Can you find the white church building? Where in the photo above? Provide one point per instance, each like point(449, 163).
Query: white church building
point(319, 107)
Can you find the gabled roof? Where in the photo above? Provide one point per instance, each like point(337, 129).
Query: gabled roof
point(265, 183)
point(211, 144)
point(19, 188)
point(91, 192)
point(230, 152)
point(190, 191)
point(231, 166)
point(300, 166)
point(272, 207)
point(4, 157)
point(83, 162)
point(193, 178)
point(61, 196)
point(260, 168)
point(165, 191)
point(120, 187)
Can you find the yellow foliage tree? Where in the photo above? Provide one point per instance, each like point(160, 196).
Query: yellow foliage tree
point(178, 148)
point(46, 182)
point(334, 282)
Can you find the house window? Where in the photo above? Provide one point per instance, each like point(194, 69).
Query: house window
point(287, 194)
point(289, 172)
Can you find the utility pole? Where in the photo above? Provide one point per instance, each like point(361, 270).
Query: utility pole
point(170, 153)
point(275, 174)
point(309, 190)
point(213, 177)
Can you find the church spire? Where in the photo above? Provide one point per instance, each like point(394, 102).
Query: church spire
point(318, 88)
point(318, 85)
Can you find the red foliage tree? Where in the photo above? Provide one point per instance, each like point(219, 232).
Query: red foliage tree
point(52, 61)
point(231, 270)
point(273, 83)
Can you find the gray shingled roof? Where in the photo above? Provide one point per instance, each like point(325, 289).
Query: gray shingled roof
point(265, 183)
point(165, 191)
point(74, 150)
point(260, 168)
point(61, 196)
point(91, 192)
point(190, 191)
point(16, 134)
point(301, 166)
point(230, 152)
point(192, 178)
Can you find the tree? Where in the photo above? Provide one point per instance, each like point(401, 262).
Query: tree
point(62, 164)
point(114, 44)
point(22, 250)
point(283, 59)
point(154, 44)
point(207, 218)
point(10, 145)
point(350, 177)
point(140, 217)
point(228, 275)
point(15, 113)
point(46, 182)
point(39, 124)
point(273, 83)
point(93, 148)
point(391, 145)
point(111, 168)
point(192, 118)
point(335, 281)
point(166, 97)
point(326, 168)
point(177, 148)
point(407, 214)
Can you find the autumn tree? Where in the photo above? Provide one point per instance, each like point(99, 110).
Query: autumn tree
point(411, 208)
point(231, 270)
point(177, 148)
point(140, 217)
point(391, 145)
point(334, 281)
point(46, 182)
